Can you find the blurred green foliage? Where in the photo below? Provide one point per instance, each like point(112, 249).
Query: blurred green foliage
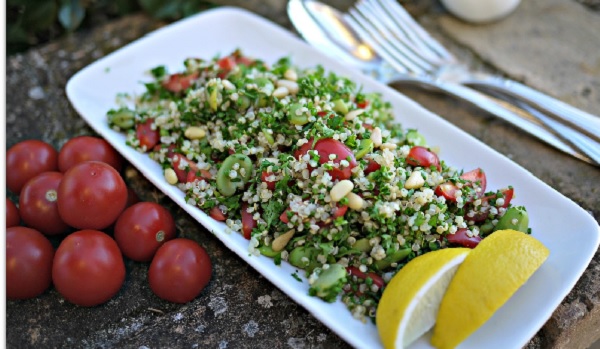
point(30, 22)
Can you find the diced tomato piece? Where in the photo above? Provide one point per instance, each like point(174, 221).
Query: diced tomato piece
point(461, 238)
point(421, 156)
point(372, 166)
point(448, 189)
point(283, 217)
point(508, 195)
point(377, 280)
point(180, 82)
point(245, 61)
point(187, 175)
point(368, 126)
point(216, 214)
point(340, 211)
point(146, 135)
point(327, 146)
point(248, 222)
point(362, 104)
point(264, 176)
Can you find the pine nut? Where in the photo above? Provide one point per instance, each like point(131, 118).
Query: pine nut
point(290, 74)
point(355, 202)
point(415, 181)
point(390, 146)
point(171, 176)
point(228, 85)
point(292, 86)
point(194, 132)
point(341, 189)
point(376, 137)
point(282, 240)
point(281, 92)
point(353, 114)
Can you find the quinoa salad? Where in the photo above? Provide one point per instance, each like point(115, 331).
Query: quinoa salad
point(310, 169)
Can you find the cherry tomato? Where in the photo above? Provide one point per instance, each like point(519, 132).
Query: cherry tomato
point(507, 195)
point(86, 148)
point(377, 280)
point(26, 160)
point(362, 104)
point(190, 172)
point(248, 222)
point(421, 156)
point(91, 195)
point(13, 218)
point(180, 82)
point(284, 217)
point(88, 268)
point(179, 271)
point(29, 257)
point(142, 228)
point(38, 203)
point(372, 166)
point(263, 178)
point(340, 211)
point(448, 189)
point(461, 238)
point(216, 214)
point(226, 64)
point(147, 136)
point(326, 147)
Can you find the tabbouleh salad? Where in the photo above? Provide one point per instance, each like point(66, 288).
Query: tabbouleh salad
point(310, 169)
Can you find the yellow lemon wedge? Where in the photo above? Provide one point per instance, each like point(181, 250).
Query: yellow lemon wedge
point(410, 302)
point(488, 277)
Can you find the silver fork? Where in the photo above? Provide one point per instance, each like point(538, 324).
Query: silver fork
point(407, 47)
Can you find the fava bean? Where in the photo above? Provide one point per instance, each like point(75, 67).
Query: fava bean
point(515, 218)
point(123, 118)
point(394, 257)
point(227, 185)
point(365, 147)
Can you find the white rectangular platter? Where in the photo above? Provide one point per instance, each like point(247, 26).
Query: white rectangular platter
point(570, 233)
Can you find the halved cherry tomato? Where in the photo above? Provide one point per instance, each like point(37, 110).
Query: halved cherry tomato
point(362, 104)
point(340, 211)
point(180, 82)
point(326, 147)
point(146, 135)
point(216, 214)
point(448, 189)
point(372, 166)
point(284, 217)
point(461, 238)
point(184, 175)
point(421, 156)
point(377, 280)
point(248, 222)
point(507, 194)
point(264, 176)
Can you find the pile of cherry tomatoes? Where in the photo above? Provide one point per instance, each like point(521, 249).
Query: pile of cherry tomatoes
point(77, 196)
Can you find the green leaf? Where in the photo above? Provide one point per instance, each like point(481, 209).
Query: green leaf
point(71, 14)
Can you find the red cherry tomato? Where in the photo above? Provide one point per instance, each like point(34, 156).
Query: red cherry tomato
point(372, 166)
point(263, 178)
point(29, 257)
point(362, 104)
point(476, 176)
point(377, 280)
point(26, 160)
point(326, 147)
point(147, 136)
point(38, 203)
point(216, 214)
point(340, 211)
point(91, 195)
point(421, 156)
point(88, 268)
point(460, 238)
point(142, 229)
point(507, 195)
point(248, 222)
point(86, 148)
point(179, 271)
point(13, 218)
point(188, 173)
point(180, 82)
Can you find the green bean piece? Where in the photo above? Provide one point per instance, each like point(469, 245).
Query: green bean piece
point(268, 251)
point(515, 218)
point(296, 119)
point(395, 257)
point(225, 184)
point(364, 148)
point(329, 283)
point(362, 245)
point(415, 138)
point(340, 107)
point(213, 101)
point(123, 118)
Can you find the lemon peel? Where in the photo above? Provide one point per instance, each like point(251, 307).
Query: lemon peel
point(410, 302)
point(488, 277)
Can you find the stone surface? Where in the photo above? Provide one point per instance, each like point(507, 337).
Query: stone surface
point(239, 308)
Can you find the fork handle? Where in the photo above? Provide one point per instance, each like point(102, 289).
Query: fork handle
point(485, 103)
point(584, 122)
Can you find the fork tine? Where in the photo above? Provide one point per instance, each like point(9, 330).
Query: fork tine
point(379, 41)
point(406, 37)
point(405, 21)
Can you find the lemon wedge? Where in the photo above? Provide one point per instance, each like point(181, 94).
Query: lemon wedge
point(488, 277)
point(410, 302)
